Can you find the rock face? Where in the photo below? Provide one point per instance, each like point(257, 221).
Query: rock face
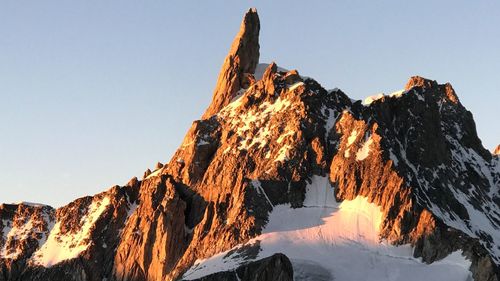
point(276, 268)
point(239, 64)
point(414, 154)
point(24, 226)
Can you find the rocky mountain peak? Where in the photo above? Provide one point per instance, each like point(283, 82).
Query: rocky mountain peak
point(497, 150)
point(418, 81)
point(268, 77)
point(242, 59)
point(278, 164)
point(428, 84)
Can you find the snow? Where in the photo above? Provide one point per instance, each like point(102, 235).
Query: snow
point(396, 94)
point(352, 137)
point(364, 151)
point(327, 240)
point(483, 218)
point(7, 233)
point(64, 246)
point(283, 136)
point(24, 228)
point(319, 193)
point(31, 204)
point(283, 153)
point(6, 224)
point(226, 150)
point(350, 140)
point(15, 232)
point(258, 186)
point(154, 173)
point(295, 86)
point(347, 153)
point(331, 118)
point(253, 126)
point(370, 99)
point(203, 142)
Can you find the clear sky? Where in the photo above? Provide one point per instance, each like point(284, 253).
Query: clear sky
point(94, 92)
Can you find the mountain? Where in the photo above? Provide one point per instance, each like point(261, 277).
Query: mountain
point(282, 179)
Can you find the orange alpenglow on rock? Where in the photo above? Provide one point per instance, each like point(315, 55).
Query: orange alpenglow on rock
point(241, 61)
point(417, 81)
point(497, 150)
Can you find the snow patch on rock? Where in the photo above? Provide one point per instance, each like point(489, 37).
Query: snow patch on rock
point(253, 126)
point(22, 229)
point(65, 246)
point(364, 151)
point(397, 94)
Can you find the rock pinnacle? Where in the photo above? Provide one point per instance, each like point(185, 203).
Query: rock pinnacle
point(242, 58)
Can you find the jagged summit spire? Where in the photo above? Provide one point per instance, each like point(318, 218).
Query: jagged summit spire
point(242, 58)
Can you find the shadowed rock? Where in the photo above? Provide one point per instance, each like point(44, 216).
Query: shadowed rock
point(276, 268)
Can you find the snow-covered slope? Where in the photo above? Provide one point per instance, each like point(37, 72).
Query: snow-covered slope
point(61, 246)
point(326, 240)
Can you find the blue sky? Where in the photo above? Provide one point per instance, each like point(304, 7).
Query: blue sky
point(94, 92)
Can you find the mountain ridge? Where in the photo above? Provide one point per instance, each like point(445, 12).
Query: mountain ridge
point(260, 145)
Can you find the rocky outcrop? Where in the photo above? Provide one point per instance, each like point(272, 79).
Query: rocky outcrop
point(23, 227)
point(74, 242)
point(155, 235)
point(412, 155)
point(496, 151)
point(238, 65)
point(276, 267)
